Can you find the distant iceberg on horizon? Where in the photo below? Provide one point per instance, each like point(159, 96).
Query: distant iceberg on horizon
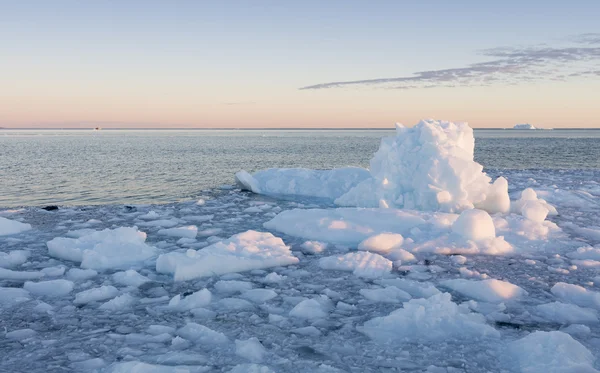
point(524, 126)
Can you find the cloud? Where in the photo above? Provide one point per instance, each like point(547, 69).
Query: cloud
point(509, 65)
point(590, 38)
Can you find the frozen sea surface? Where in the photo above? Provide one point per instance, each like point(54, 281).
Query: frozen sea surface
point(297, 317)
point(45, 167)
point(496, 273)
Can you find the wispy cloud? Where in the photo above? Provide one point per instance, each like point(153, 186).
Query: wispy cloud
point(508, 65)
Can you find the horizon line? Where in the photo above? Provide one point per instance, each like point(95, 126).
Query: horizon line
point(274, 128)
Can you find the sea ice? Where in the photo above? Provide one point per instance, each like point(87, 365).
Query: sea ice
point(117, 248)
point(309, 309)
point(491, 290)
point(8, 274)
point(96, 294)
point(564, 313)
point(250, 349)
point(389, 294)
point(576, 294)
point(51, 288)
point(8, 226)
point(241, 252)
point(12, 296)
point(201, 334)
point(197, 299)
point(362, 264)
point(299, 181)
point(313, 247)
point(119, 303)
point(189, 231)
point(549, 352)
point(435, 319)
point(13, 258)
point(382, 243)
point(475, 225)
point(429, 167)
point(130, 277)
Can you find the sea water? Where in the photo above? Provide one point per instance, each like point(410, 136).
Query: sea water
point(83, 167)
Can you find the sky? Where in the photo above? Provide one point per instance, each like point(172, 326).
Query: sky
point(238, 64)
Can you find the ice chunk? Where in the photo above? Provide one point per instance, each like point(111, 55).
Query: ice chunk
point(362, 264)
point(140, 367)
point(120, 303)
point(250, 349)
point(299, 181)
point(189, 231)
point(308, 309)
point(21, 334)
point(414, 288)
point(544, 352)
point(259, 295)
point(51, 288)
point(76, 274)
point(532, 207)
point(96, 294)
point(382, 243)
point(564, 313)
point(232, 286)
point(586, 253)
point(475, 225)
point(389, 294)
point(201, 334)
point(313, 247)
point(13, 258)
point(11, 296)
point(347, 226)
point(241, 252)
point(163, 223)
point(576, 294)
point(107, 249)
point(576, 329)
point(8, 226)
point(151, 215)
point(273, 277)
point(491, 290)
point(130, 278)
point(251, 368)
point(197, 299)
point(435, 319)
point(54, 271)
point(197, 218)
point(428, 167)
point(7, 274)
point(310, 331)
point(234, 304)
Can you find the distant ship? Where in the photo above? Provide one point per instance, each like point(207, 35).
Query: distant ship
point(97, 128)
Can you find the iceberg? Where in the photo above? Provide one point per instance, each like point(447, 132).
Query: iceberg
point(428, 167)
point(524, 126)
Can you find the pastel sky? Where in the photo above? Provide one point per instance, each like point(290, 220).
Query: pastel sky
point(298, 63)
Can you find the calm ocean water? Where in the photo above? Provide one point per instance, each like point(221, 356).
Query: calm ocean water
point(75, 167)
